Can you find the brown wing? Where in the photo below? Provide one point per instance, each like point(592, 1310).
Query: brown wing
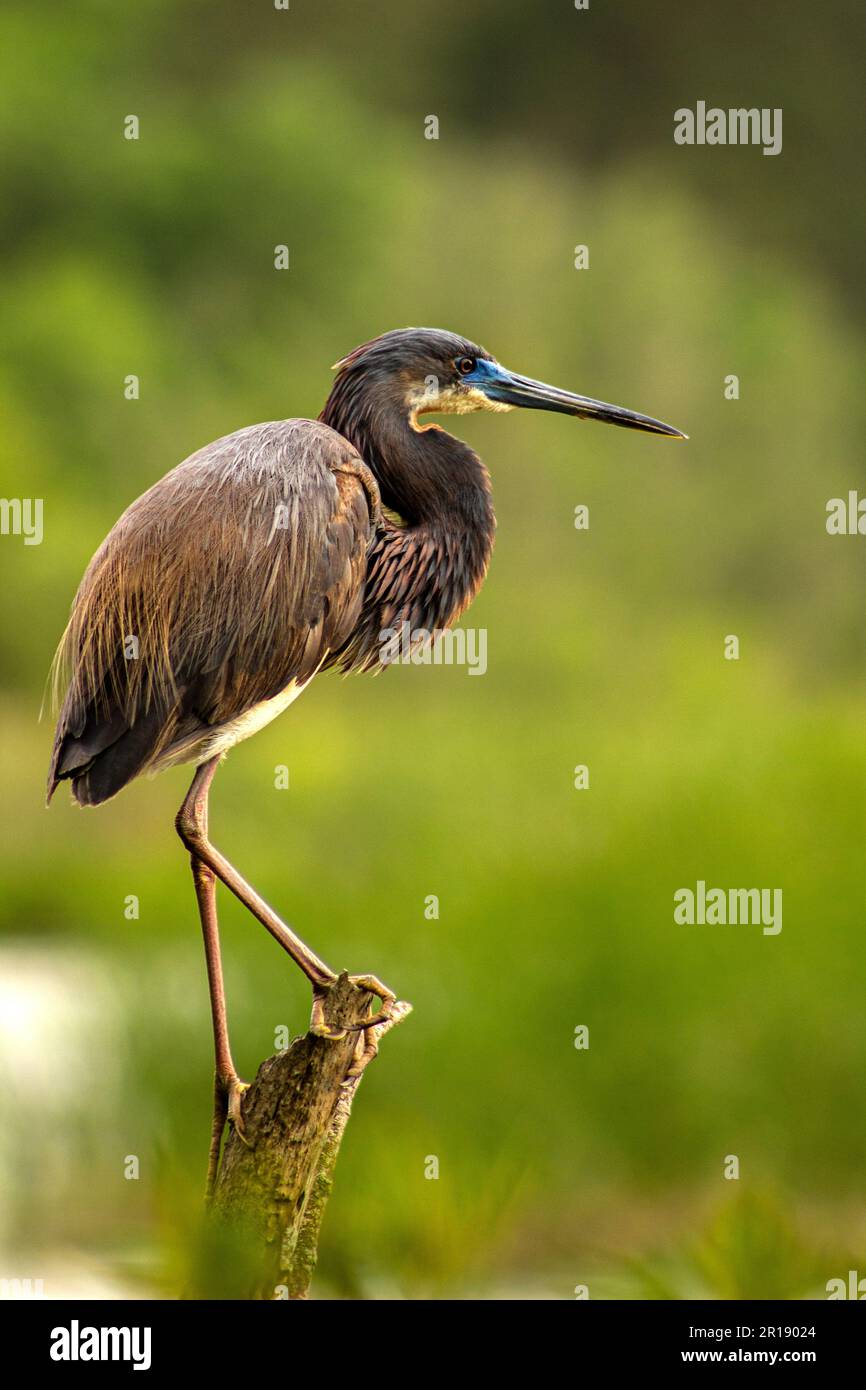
point(234, 576)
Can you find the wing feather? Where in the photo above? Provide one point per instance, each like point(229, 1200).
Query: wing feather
point(233, 577)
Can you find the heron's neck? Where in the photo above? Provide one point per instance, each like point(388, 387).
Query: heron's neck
point(434, 482)
point(424, 473)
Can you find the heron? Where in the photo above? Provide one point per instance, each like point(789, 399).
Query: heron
point(269, 556)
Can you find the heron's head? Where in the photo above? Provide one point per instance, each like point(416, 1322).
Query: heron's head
point(428, 370)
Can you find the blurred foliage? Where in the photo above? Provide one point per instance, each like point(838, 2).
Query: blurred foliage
point(156, 257)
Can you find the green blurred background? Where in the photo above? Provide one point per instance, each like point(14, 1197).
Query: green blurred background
point(557, 1167)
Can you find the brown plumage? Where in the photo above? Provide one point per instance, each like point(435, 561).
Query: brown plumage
point(260, 560)
point(268, 556)
point(233, 577)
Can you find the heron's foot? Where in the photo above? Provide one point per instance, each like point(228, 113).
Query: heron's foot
point(233, 1089)
point(366, 1048)
point(227, 1108)
point(320, 1028)
point(386, 997)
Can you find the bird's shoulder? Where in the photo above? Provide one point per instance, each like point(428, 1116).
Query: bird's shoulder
point(289, 456)
point(292, 443)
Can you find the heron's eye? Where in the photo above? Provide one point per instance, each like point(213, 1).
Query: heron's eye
point(465, 365)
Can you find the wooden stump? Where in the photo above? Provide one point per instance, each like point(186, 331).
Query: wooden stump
point(272, 1195)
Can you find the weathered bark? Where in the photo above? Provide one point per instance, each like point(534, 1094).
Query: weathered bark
point(273, 1193)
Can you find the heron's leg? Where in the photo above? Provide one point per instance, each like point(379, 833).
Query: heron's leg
point(228, 1087)
point(192, 827)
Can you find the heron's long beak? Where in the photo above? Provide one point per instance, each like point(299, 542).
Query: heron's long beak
point(511, 389)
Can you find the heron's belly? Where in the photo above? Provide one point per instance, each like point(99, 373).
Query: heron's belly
point(215, 742)
point(249, 723)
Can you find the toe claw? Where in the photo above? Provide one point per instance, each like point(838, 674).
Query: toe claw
point(366, 1049)
point(375, 987)
point(322, 1030)
point(319, 1027)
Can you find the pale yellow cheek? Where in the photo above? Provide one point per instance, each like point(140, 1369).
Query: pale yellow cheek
point(452, 401)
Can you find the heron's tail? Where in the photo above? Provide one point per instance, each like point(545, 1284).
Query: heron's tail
point(105, 756)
